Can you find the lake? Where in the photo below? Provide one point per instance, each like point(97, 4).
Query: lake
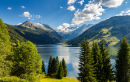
point(69, 53)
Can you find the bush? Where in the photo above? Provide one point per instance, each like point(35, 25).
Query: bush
point(12, 79)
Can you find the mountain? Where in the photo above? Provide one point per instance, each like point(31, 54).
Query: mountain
point(34, 32)
point(112, 30)
point(77, 32)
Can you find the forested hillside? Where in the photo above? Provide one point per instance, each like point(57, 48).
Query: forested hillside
point(112, 30)
point(37, 34)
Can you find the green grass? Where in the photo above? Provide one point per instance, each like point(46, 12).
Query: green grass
point(65, 79)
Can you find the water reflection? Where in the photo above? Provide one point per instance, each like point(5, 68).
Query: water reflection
point(70, 54)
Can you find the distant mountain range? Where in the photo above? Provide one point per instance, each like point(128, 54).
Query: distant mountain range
point(111, 30)
point(34, 32)
point(77, 32)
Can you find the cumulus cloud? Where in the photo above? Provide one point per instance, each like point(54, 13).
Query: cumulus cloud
point(66, 25)
point(93, 10)
point(61, 7)
point(27, 14)
point(71, 2)
point(9, 8)
point(22, 7)
point(90, 12)
point(65, 28)
point(81, 2)
point(108, 3)
point(71, 8)
point(124, 13)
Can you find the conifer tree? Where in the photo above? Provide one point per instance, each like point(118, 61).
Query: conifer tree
point(50, 66)
point(60, 72)
point(57, 64)
point(123, 62)
point(85, 64)
point(64, 67)
point(106, 69)
point(97, 61)
point(53, 66)
point(43, 66)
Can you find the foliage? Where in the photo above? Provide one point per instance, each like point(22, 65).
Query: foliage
point(12, 79)
point(64, 67)
point(106, 73)
point(86, 67)
point(123, 62)
point(50, 66)
point(57, 64)
point(27, 61)
point(60, 72)
point(5, 51)
point(97, 61)
point(43, 66)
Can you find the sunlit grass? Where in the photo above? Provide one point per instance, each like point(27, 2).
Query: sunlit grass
point(65, 79)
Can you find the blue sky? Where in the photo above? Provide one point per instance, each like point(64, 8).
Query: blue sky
point(61, 13)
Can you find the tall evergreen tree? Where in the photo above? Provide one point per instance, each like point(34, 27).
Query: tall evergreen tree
point(43, 66)
point(53, 66)
point(106, 69)
point(57, 64)
point(85, 64)
point(123, 62)
point(60, 72)
point(64, 67)
point(97, 61)
point(50, 65)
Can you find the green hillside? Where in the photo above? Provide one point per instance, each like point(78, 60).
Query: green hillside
point(111, 30)
point(37, 35)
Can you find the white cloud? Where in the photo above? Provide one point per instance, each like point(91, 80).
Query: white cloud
point(124, 13)
point(125, 2)
point(71, 8)
point(71, 2)
point(66, 25)
point(30, 16)
point(64, 28)
point(38, 16)
point(19, 23)
point(9, 8)
point(61, 7)
point(22, 7)
point(81, 2)
point(27, 14)
point(108, 3)
point(90, 12)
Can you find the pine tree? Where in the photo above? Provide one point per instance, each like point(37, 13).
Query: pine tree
point(64, 67)
point(85, 64)
point(50, 66)
point(123, 62)
point(43, 66)
point(57, 64)
point(53, 66)
point(97, 61)
point(106, 69)
point(60, 72)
